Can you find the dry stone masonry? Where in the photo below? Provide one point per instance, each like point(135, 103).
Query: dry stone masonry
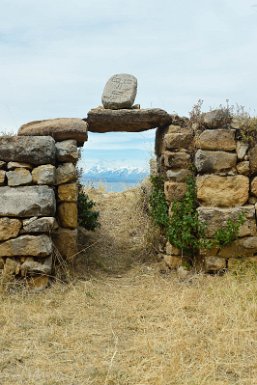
point(39, 192)
point(226, 180)
point(38, 197)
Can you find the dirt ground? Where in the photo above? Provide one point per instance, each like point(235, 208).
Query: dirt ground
point(123, 322)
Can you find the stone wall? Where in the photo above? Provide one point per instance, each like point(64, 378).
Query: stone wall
point(225, 169)
point(38, 200)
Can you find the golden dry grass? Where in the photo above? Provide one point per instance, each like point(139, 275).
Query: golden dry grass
point(141, 328)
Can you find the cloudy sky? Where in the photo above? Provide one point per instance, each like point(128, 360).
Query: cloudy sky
point(56, 56)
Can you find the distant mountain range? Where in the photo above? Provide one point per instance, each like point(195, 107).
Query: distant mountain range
point(110, 175)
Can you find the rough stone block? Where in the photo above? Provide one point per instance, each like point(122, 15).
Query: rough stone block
point(159, 140)
point(45, 174)
point(120, 92)
point(67, 151)
point(222, 191)
point(59, 129)
point(1, 263)
point(19, 177)
point(39, 225)
point(254, 186)
point(241, 149)
point(174, 190)
point(11, 267)
point(27, 201)
point(214, 264)
point(214, 161)
point(178, 140)
point(27, 245)
point(9, 228)
point(177, 160)
point(216, 218)
point(216, 119)
point(68, 214)
point(220, 139)
point(253, 160)
point(243, 168)
point(13, 165)
point(68, 192)
point(2, 177)
point(30, 266)
point(35, 150)
point(243, 247)
point(66, 243)
point(171, 250)
point(179, 175)
point(65, 173)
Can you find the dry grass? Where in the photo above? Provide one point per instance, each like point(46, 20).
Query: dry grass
point(126, 234)
point(142, 328)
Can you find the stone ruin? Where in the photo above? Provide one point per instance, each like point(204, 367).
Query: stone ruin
point(39, 186)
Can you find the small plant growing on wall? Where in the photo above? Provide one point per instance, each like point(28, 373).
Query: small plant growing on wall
point(182, 227)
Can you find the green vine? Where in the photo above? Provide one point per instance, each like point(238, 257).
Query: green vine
point(183, 228)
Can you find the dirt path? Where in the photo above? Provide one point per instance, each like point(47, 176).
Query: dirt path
point(124, 236)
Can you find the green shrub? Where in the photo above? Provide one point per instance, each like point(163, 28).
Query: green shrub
point(87, 216)
point(182, 228)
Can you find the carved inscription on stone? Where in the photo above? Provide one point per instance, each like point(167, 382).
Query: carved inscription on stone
point(120, 92)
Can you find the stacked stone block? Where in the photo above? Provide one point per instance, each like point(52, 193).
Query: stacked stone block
point(174, 150)
point(38, 198)
point(225, 187)
point(225, 168)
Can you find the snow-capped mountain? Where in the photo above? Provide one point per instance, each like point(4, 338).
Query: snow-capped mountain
point(119, 174)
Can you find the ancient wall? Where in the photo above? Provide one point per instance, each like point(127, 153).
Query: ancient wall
point(38, 198)
point(225, 169)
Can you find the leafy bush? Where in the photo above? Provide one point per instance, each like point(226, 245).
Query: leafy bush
point(182, 228)
point(88, 218)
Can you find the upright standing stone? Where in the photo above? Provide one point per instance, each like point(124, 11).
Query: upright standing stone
point(120, 92)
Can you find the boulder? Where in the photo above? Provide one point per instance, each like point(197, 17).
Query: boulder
point(68, 214)
point(181, 175)
point(11, 267)
point(178, 140)
point(241, 149)
point(19, 177)
point(217, 119)
point(101, 120)
point(66, 173)
point(60, 129)
point(65, 241)
point(254, 186)
point(215, 218)
point(39, 225)
point(13, 165)
point(243, 168)
point(45, 174)
point(253, 160)
point(30, 266)
point(214, 264)
point(68, 192)
point(2, 177)
point(27, 201)
point(222, 191)
point(120, 92)
point(27, 245)
point(66, 151)
point(219, 139)
point(9, 228)
point(177, 160)
point(35, 150)
point(214, 161)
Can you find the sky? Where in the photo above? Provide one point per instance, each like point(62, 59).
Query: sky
point(56, 56)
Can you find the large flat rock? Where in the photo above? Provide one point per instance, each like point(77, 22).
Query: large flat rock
point(27, 245)
point(27, 201)
point(120, 91)
point(103, 120)
point(33, 150)
point(60, 129)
